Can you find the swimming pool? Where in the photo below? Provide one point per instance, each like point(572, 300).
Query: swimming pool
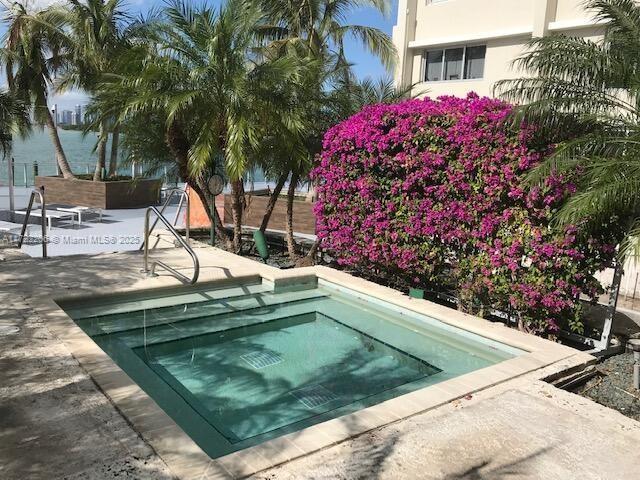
point(236, 366)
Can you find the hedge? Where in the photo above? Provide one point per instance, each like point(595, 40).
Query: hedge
point(432, 191)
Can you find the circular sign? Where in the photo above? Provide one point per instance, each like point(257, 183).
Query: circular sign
point(215, 184)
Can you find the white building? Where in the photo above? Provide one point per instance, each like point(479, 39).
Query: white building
point(457, 46)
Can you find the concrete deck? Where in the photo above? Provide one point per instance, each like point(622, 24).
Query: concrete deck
point(119, 230)
point(55, 422)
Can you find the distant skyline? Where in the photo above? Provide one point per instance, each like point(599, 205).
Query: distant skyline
point(364, 64)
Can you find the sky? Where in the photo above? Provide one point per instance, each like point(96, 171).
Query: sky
point(365, 65)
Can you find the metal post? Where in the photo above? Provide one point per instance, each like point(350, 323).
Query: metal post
point(43, 219)
point(26, 219)
point(633, 344)
point(12, 204)
point(35, 171)
point(24, 172)
point(133, 170)
point(145, 261)
point(187, 222)
point(213, 223)
point(605, 338)
point(43, 211)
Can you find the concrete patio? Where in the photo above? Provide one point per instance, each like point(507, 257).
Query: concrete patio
point(55, 422)
point(117, 231)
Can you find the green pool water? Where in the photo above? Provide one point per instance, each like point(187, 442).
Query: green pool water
point(239, 365)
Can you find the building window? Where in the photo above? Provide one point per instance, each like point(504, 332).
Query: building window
point(453, 58)
point(474, 61)
point(434, 66)
point(455, 63)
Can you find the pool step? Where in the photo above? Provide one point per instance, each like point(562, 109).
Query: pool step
point(123, 322)
point(202, 325)
point(77, 310)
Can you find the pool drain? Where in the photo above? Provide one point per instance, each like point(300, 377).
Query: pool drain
point(9, 329)
point(261, 359)
point(313, 395)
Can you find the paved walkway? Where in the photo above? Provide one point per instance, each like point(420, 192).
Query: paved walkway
point(527, 431)
point(55, 422)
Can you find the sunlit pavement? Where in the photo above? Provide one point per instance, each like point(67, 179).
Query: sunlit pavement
point(118, 231)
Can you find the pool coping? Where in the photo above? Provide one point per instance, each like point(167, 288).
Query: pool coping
point(185, 458)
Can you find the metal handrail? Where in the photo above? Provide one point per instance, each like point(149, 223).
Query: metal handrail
point(184, 196)
point(151, 271)
point(43, 219)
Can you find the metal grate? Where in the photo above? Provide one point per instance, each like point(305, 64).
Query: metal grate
point(261, 358)
point(313, 395)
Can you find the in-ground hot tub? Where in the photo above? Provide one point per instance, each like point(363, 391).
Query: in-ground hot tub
point(237, 366)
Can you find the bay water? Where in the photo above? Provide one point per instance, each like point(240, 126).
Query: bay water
point(38, 148)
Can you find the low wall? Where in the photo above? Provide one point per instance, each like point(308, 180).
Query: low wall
point(137, 193)
point(304, 221)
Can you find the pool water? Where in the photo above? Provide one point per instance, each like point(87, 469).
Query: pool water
point(239, 365)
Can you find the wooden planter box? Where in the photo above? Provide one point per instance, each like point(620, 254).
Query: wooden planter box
point(137, 193)
point(304, 221)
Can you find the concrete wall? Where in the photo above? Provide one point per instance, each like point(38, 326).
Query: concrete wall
point(304, 220)
point(568, 10)
point(105, 195)
point(504, 26)
point(471, 17)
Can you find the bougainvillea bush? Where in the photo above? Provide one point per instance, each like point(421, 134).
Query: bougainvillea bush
point(431, 191)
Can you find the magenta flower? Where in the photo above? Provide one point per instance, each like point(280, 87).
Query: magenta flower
point(432, 189)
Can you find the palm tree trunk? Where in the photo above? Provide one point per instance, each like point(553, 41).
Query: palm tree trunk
point(179, 147)
point(310, 258)
point(102, 152)
point(237, 192)
point(291, 243)
point(61, 158)
point(272, 201)
point(113, 159)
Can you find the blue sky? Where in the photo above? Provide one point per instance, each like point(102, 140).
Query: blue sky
point(365, 65)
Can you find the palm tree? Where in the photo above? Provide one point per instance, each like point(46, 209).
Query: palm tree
point(204, 76)
point(14, 119)
point(584, 95)
point(359, 94)
point(315, 30)
point(32, 54)
point(94, 31)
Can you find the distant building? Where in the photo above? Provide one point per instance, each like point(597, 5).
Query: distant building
point(74, 119)
point(78, 113)
point(66, 118)
point(451, 47)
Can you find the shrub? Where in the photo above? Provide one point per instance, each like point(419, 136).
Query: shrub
point(431, 191)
